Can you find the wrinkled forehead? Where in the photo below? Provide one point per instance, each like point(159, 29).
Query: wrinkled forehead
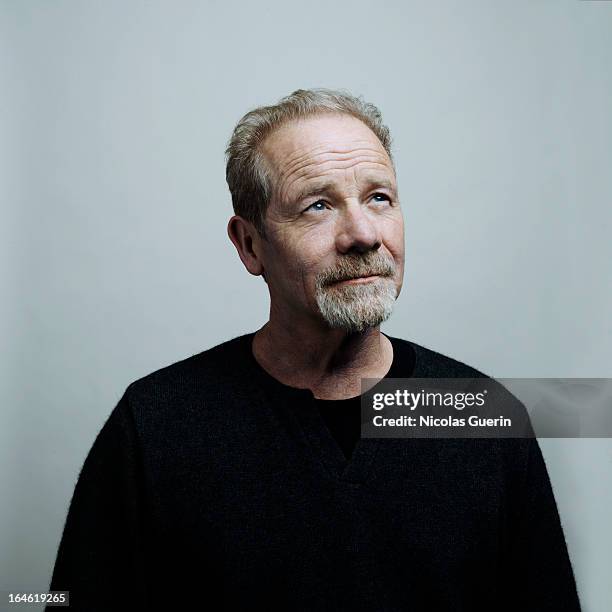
point(306, 147)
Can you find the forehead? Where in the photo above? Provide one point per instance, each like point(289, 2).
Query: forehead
point(303, 145)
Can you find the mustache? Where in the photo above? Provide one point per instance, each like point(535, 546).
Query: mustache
point(353, 266)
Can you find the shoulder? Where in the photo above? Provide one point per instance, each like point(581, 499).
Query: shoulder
point(183, 403)
point(513, 450)
point(203, 372)
point(431, 364)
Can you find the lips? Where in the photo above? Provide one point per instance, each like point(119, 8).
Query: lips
point(358, 279)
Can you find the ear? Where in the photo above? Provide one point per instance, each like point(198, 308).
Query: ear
point(247, 241)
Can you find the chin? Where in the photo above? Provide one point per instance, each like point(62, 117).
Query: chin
point(356, 308)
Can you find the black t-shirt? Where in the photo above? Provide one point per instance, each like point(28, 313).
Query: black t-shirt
point(343, 417)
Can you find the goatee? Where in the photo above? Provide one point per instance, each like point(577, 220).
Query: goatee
point(359, 306)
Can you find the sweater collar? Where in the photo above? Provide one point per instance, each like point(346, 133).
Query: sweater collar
point(402, 366)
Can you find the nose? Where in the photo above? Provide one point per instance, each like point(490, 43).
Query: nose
point(357, 231)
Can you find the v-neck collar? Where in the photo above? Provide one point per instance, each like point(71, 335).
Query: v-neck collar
point(299, 405)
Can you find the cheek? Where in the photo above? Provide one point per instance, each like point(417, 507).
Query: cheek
point(394, 232)
point(298, 259)
point(312, 249)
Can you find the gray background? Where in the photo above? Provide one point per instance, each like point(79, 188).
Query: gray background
point(114, 118)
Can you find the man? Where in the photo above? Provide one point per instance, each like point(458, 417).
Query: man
point(237, 478)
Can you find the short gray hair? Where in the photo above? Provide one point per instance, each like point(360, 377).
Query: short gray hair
point(245, 170)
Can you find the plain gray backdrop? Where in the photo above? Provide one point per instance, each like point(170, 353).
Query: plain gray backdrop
point(114, 117)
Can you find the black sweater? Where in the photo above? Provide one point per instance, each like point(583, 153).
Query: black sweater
point(212, 486)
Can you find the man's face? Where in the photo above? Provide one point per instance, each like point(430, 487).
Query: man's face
point(335, 236)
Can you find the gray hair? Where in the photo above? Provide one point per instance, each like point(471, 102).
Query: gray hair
point(245, 171)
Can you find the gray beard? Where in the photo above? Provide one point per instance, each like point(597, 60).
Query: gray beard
point(355, 308)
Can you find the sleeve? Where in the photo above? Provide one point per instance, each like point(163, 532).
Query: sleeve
point(100, 559)
point(538, 571)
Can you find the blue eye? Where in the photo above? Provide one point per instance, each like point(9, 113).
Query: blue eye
point(383, 196)
point(319, 205)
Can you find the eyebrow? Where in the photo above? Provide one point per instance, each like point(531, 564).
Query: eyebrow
point(380, 182)
point(314, 190)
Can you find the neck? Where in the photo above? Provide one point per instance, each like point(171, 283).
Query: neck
point(329, 362)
